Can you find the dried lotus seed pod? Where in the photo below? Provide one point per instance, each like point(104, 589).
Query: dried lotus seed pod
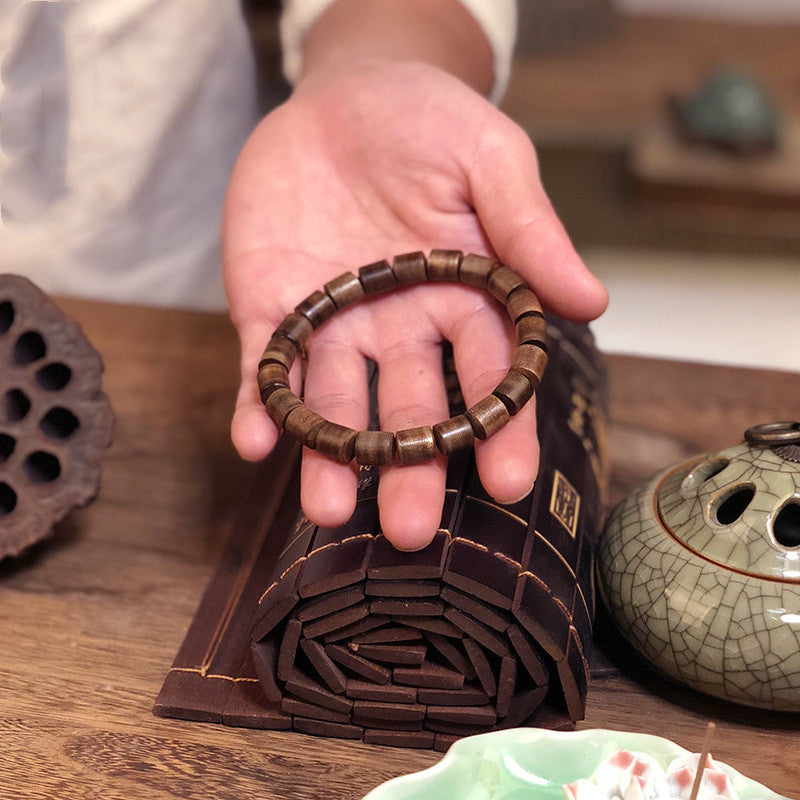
point(55, 422)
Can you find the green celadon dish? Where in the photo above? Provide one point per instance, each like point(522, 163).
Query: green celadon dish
point(534, 764)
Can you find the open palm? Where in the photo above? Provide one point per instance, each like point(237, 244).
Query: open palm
point(370, 161)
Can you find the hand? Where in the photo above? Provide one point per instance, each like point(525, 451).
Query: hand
point(364, 162)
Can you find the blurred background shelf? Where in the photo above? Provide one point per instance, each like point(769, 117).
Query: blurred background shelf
point(590, 108)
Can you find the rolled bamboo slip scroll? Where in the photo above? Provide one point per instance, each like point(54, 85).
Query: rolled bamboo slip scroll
point(342, 635)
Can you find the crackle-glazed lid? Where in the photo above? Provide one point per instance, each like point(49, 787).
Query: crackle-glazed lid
point(740, 507)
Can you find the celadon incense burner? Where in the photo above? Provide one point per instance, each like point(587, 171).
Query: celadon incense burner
point(700, 569)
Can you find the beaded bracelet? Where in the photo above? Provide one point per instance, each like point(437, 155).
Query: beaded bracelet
point(413, 445)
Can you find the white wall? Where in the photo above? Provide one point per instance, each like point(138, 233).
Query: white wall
point(731, 310)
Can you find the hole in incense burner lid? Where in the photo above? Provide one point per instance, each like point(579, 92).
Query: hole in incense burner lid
point(702, 473)
point(734, 503)
point(786, 526)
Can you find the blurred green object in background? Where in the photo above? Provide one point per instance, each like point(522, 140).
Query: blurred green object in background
point(731, 110)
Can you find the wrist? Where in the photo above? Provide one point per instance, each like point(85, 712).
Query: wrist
point(440, 33)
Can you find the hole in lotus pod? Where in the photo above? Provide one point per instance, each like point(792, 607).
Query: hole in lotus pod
point(59, 423)
point(786, 527)
point(8, 499)
point(734, 503)
point(6, 316)
point(54, 377)
point(30, 347)
point(41, 467)
point(7, 444)
point(16, 405)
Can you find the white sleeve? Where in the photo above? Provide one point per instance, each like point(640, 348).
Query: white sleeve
point(497, 18)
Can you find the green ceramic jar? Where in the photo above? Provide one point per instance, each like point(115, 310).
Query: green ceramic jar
point(700, 568)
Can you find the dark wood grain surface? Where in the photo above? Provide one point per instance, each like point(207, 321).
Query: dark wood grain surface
point(91, 620)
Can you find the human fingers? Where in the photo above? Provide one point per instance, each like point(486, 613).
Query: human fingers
point(507, 461)
point(411, 394)
point(336, 388)
point(253, 433)
point(522, 225)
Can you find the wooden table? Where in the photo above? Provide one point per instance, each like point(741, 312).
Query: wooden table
point(91, 620)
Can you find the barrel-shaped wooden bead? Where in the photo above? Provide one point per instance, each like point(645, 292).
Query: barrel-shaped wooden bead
point(317, 308)
point(514, 390)
point(377, 277)
point(375, 447)
point(443, 265)
point(415, 445)
point(475, 270)
point(344, 290)
point(521, 303)
point(280, 404)
point(503, 281)
point(296, 327)
point(336, 441)
point(531, 329)
point(409, 268)
point(280, 350)
point(530, 359)
point(487, 416)
point(272, 376)
point(303, 423)
point(453, 434)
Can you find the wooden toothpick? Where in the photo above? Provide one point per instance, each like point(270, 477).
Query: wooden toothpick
point(703, 758)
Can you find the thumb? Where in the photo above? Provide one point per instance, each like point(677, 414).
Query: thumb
point(522, 225)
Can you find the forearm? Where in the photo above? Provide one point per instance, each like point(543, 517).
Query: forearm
point(437, 32)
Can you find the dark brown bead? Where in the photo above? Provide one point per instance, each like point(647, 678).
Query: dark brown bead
point(487, 416)
point(522, 303)
point(344, 290)
point(475, 270)
point(514, 390)
point(454, 434)
point(317, 308)
point(280, 403)
point(303, 423)
point(415, 445)
point(296, 327)
point(336, 441)
point(272, 376)
point(375, 447)
point(443, 265)
point(530, 359)
point(409, 268)
point(503, 281)
point(280, 350)
point(377, 277)
point(531, 329)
